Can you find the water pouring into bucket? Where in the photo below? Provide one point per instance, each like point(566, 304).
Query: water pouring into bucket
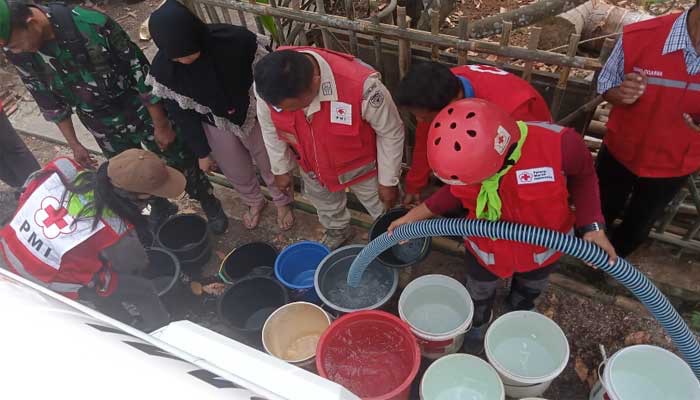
point(377, 286)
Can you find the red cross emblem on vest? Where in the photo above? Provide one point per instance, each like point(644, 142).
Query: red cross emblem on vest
point(53, 218)
point(525, 177)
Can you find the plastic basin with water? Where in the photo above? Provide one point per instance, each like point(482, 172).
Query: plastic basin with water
point(371, 353)
point(378, 285)
point(461, 376)
point(296, 266)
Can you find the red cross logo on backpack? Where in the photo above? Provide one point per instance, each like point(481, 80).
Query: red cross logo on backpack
point(53, 218)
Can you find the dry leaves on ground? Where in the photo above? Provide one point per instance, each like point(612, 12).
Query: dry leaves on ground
point(639, 337)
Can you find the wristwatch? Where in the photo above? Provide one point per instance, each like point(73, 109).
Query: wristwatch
point(594, 227)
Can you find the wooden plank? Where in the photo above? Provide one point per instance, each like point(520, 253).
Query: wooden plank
point(676, 240)
point(415, 36)
point(532, 42)
point(671, 214)
point(505, 40)
point(564, 76)
point(463, 32)
point(404, 45)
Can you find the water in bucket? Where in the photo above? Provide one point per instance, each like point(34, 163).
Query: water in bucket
point(528, 350)
point(374, 286)
point(525, 356)
point(646, 372)
point(461, 377)
point(435, 309)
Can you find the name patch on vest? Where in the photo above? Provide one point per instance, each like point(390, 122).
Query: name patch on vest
point(534, 175)
point(649, 72)
point(341, 113)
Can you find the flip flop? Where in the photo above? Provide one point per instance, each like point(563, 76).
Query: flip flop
point(252, 220)
point(285, 217)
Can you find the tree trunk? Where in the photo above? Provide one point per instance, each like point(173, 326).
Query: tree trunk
point(594, 21)
point(521, 17)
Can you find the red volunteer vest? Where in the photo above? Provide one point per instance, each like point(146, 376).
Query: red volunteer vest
point(337, 145)
point(650, 137)
point(506, 90)
point(42, 243)
point(534, 193)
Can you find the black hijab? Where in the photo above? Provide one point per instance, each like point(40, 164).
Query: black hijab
point(220, 79)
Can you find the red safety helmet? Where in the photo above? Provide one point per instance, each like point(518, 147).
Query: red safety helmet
point(469, 140)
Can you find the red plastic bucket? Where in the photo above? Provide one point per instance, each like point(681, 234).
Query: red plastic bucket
point(372, 353)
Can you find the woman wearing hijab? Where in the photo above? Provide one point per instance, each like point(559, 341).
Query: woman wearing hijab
point(208, 71)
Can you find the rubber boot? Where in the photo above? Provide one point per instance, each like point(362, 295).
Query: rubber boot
point(161, 209)
point(474, 339)
point(334, 238)
point(216, 217)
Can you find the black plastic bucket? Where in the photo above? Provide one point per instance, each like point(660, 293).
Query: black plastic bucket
point(163, 269)
point(187, 237)
point(400, 255)
point(246, 305)
point(256, 258)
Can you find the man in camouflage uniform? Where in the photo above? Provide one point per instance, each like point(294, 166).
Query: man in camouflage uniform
point(80, 59)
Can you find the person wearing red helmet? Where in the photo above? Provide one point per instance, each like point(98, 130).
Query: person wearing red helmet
point(498, 168)
point(430, 86)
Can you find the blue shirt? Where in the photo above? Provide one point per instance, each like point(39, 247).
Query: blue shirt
point(613, 72)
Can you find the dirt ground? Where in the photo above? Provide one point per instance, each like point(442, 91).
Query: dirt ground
point(586, 323)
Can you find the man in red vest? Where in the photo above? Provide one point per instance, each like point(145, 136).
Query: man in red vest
point(330, 114)
point(653, 139)
point(428, 87)
point(500, 169)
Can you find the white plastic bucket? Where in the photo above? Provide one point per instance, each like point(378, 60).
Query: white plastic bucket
point(528, 350)
point(461, 376)
point(439, 311)
point(291, 333)
point(645, 372)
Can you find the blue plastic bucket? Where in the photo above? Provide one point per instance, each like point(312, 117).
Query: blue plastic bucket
point(296, 266)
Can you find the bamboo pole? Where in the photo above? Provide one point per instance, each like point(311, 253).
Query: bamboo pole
point(297, 28)
point(377, 38)
point(532, 42)
point(425, 38)
point(242, 19)
point(505, 40)
point(211, 14)
point(564, 76)
point(435, 29)
point(588, 107)
point(350, 14)
point(258, 22)
point(227, 16)
point(278, 25)
point(321, 10)
point(463, 32)
point(404, 45)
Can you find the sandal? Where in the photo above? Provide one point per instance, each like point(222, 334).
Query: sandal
point(285, 217)
point(251, 218)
